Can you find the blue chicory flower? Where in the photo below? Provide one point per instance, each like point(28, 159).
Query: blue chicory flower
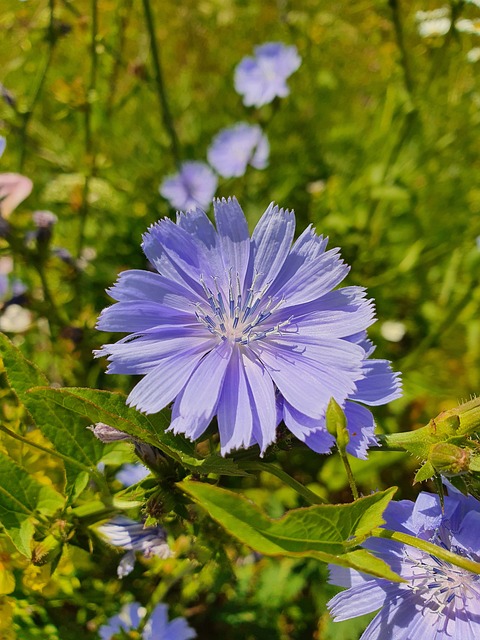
point(3, 144)
point(134, 536)
point(262, 78)
point(438, 599)
point(132, 473)
point(193, 186)
point(157, 628)
point(250, 330)
point(236, 147)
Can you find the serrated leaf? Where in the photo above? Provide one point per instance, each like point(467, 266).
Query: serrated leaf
point(325, 532)
point(110, 408)
point(66, 431)
point(22, 500)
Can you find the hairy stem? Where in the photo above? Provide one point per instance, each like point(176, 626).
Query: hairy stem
point(348, 469)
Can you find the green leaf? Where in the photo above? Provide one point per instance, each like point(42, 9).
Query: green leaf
point(22, 500)
point(66, 431)
point(325, 532)
point(110, 408)
point(425, 472)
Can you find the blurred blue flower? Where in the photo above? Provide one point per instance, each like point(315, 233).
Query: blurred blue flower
point(193, 186)
point(3, 144)
point(131, 474)
point(157, 628)
point(236, 147)
point(250, 330)
point(262, 78)
point(134, 536)
point(129, 618)
point(438, 599)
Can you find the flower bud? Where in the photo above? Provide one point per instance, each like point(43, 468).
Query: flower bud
point(336, 423)
point(152, 457)
point(107, 434)
point(448, 459)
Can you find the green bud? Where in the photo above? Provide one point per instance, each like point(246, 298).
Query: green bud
point(448, 459)
point(336, 423)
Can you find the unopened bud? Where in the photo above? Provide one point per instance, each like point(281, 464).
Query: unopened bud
point(107, 434)
point(336, 423)
point(448, 459)
point(152, 457)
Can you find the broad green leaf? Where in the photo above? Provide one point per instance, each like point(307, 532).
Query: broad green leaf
point(326, 532)
point(110, 408)
point(22, 500)
point(66, 431)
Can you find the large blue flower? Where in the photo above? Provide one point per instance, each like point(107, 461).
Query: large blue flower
point(263, 77)
point(438, 599)
point(249, 330)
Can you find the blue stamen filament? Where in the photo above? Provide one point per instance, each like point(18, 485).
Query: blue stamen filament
point(448, 582)
point(237, 320)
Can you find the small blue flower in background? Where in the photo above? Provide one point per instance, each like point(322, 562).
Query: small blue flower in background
point(134, 536)
point(438, 599)
point(132, 473)
point(193, 186)
point(157, 628)
point(3, 144)
point(262, 78)
point(236, 147)
point(250, 330)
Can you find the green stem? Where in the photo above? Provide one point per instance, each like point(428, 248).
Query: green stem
point(429, 547)
point(27, 116)
point(310, 496)
point(89, 149)
point(161, 91)
point(348, 469)
point(397, 24)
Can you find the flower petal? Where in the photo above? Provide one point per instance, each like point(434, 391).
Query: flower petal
point(262, 393)
point(136, 284)
point(175, 254)
point(271, 243)
point(234, 240)
point(163, 383)
point(361, 427)
point(195, 406)
point(14, 188)
point(137, 316)
point(308, 375)
point(234, 414)
point(380, 384)
point(358, 600)
point(142, 355)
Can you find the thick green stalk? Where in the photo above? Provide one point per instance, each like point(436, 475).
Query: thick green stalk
point(428, 547)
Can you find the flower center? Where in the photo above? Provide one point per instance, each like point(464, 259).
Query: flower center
point(440, 582)
point(242, 318)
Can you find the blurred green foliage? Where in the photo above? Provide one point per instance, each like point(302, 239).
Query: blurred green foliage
point(377, 146)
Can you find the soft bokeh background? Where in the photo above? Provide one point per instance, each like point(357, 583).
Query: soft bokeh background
point(377, 146)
